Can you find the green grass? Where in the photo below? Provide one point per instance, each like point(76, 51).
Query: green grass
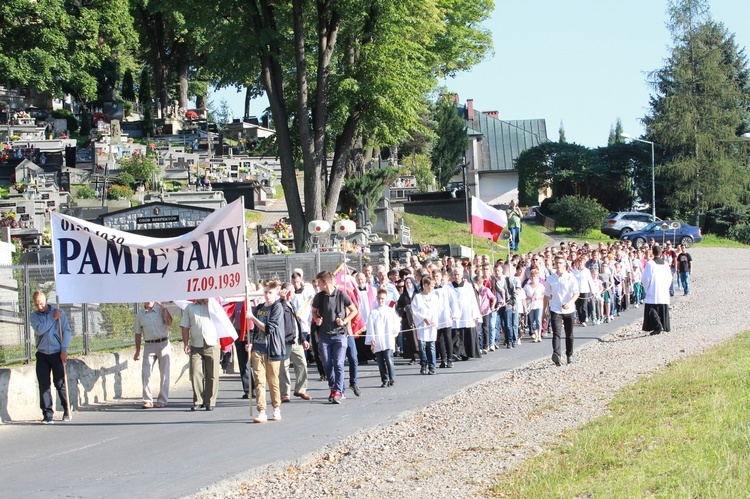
point(252, 216)
point(439, 231)
point(681, 433)
point(712, 241)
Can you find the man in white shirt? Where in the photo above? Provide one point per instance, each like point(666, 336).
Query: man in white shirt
point(560, 295)
point(152, 326)
point(202, 345)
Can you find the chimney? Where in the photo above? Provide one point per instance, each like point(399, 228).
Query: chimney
point(470, 109)
point(492, 114)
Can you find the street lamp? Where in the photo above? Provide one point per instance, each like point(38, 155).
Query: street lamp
point(653, 171)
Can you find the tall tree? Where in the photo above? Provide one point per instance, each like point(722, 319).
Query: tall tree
point(450, 143)
point(56, 46)
point(334, 69)
point(615, 134)
point(561, 134)
point(700, 104)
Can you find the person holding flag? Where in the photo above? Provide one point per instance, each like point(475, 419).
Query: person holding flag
point(486, 221)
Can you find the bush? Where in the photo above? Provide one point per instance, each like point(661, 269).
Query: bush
point(64, 114)
point(741, 233)
point(117, 318)
point(85, 192)
point(118, 191)
point(579, 213)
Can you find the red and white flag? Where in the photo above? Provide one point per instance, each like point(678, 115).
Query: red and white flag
point(486, 221)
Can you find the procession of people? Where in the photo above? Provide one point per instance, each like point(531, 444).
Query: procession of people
point(434, 312)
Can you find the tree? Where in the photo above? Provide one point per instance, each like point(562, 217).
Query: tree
point(615, 134)
point(615, 175)
point(561, 134)
point(335, 70)
point(57, 46)
point(701, 103)
point(450, 144)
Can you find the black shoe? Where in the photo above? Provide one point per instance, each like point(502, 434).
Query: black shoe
point(323, 378)
point(209, 408)
point(442, 365)
point(570, 359)
point(423, 370)
point(384, 384)
point(411, 362)
point(246, 395)
point(556, 359)
point(47, 420)
point(391, 382)
point(195, 408)
point(652, 333)
point(432, 371)
point(356, 390)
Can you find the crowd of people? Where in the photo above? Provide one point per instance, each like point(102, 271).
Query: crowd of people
point(434, 313)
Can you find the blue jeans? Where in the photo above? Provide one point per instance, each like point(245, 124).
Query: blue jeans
point(511, 323)
point(427, 352)
point(494, 328)
point(535, 320)
point(332, 351)
point(515, 238)
point(385, 365)
point(351, 356)
point(671, 285)
point(684, 278)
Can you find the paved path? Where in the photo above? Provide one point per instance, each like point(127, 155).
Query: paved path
point(120, 450)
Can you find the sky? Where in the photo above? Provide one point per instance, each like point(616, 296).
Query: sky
point(584, 63)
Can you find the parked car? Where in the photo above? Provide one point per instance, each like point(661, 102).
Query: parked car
point(622, 222)
point(531, 213)
point(668, 230)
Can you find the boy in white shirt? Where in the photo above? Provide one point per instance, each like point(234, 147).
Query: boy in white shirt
point(383, 325)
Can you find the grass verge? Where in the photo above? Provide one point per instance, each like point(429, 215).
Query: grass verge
point(681, 433)
point(440, 231)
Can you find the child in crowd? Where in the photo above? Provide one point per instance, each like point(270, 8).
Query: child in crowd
point(486, 304)
point(638, 294)
point(383, 324)
point(426, 310)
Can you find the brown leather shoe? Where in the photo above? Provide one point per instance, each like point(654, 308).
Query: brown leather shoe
point(286, 399)
point(303, 396)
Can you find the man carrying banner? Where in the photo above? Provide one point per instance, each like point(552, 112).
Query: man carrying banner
point(53, 335)
point(152, 325)
point(202, 344)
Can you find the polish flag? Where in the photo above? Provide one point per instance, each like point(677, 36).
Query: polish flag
point(486, 221)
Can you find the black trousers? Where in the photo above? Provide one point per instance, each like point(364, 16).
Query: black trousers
point(560, 322)
point(445, 344)
point(46, 364)
point(242, 358)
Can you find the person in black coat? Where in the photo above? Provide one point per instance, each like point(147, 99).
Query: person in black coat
point(409, 332)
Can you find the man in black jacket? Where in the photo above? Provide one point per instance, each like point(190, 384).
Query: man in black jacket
point(296, 344)
point(267, 350)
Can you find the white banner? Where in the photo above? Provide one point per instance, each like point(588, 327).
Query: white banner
point(96, 264)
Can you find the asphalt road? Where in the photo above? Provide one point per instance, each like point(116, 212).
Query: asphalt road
point(121, 450)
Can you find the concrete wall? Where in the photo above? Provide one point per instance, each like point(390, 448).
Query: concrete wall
point(92, 379)
point(498, 187)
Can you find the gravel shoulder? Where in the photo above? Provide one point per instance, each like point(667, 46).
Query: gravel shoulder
point(461, 442)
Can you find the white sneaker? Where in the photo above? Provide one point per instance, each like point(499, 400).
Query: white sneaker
point(276, 414)
point(261, 418)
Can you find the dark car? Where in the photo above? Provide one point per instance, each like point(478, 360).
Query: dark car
point(668, 230)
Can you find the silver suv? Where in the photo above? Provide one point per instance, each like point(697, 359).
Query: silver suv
point(622, 222)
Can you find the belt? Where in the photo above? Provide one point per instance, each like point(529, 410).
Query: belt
point(157, 341)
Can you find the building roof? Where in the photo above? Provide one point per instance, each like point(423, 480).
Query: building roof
point(503, 140)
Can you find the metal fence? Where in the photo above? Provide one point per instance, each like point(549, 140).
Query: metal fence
point(109, 326)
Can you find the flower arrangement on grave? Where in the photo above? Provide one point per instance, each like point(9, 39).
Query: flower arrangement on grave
point(15, 137)
point(47, 237)
point(426, 252)
point(100, 117)
point(271, 242)
point(282, 229)
point(8, 219)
